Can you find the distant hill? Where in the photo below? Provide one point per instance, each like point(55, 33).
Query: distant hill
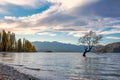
point(57, 47)
point(110, 48)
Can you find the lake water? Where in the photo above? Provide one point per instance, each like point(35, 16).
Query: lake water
point(71, 66)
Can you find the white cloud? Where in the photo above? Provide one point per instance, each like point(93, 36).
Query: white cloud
point(3, 11)
point(46, 33)
point(78, 34)
point(113, 31)
point(70, 4)
point(111, 37)
point(8, 26)
point(61, 16)
point(30, 3)
point(117, 26)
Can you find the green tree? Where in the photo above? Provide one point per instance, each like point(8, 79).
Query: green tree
point(15, 47)
point(8, 43)
point(12, 41)
point(23, 44)
point(19, 45)
point(89, 40)
point(29, 47)
point(4, 41)
point(34, 49)
point(0, 42)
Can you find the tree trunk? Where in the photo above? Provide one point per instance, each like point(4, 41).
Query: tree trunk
point(87, 50)
point(84, 54)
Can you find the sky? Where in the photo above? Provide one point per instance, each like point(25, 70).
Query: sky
point(61, 20)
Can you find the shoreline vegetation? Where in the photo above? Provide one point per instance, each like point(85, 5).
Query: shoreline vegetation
point(9, 43)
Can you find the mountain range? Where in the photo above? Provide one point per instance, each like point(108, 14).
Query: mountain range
point(64, 47)
point(110, 48)
point(57, 47)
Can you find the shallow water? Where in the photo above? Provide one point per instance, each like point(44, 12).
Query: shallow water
point(71, 66)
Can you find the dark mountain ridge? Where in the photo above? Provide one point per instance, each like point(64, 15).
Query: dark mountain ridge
point(57, 47)
point(110, 48)
point(65, 47)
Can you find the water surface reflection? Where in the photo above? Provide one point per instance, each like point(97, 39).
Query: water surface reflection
point(70, 65)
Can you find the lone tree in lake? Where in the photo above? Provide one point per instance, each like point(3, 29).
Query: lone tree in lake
point(89, 40)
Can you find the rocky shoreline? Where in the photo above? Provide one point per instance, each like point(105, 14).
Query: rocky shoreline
point(21, 72)
point(8, 72)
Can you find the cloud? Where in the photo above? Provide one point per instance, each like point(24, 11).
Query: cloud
point(24, 3)
point(47, 33)
point(3, 11)
point(73, 17)
point(113, 31)
point(102, 8)
point(7, 26)
point(116, 26)
point(7, 7)
point(111, 37)
point(78, 34)
point(70, 4)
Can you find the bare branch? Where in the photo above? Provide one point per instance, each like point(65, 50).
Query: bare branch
point(90, 40)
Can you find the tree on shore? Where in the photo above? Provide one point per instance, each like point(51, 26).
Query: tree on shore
point(28, 46)
point(8, 43)
point(11, 41)
point(4, 41)
point(89, 40)
point(19, 45)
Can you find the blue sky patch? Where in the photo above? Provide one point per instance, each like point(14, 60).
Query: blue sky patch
point(20, 11)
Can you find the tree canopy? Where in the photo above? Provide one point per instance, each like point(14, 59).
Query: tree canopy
point(8, 43)
point(89, 40)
